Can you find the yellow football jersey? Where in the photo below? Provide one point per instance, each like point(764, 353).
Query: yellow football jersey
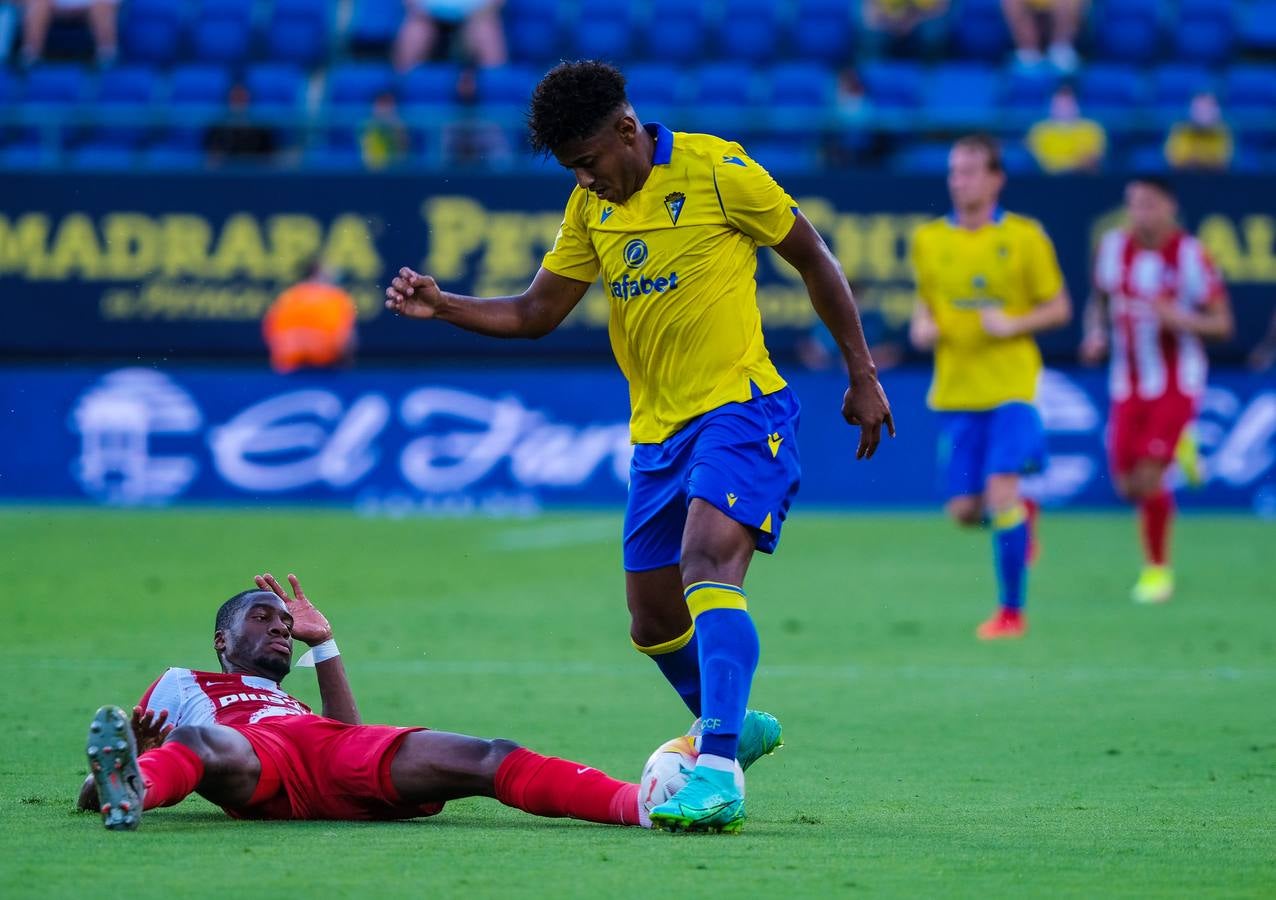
point(678, 261)
point(1008, 264)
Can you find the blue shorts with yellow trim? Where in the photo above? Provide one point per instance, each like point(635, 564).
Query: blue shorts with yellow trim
point(742, 458)
point(1005, 440)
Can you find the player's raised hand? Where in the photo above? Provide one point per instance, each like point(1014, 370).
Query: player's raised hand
point(1094, 349)
point(150, 729)
point(865, 405)
point(308, 624)
point(413, 295)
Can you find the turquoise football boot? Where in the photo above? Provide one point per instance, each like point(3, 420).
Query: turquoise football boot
point(710, 801)
point(112, 754)
point(761, 735)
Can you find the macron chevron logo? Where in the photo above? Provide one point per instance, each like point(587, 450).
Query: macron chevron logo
point(607, 212)
point(735, 161)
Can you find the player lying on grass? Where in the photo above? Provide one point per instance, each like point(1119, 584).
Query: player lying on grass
point(239, 741)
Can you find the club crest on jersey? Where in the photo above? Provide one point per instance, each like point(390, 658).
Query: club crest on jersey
point(674, 203)
point(635, 253)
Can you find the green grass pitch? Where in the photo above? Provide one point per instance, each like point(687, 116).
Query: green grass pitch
point(1118, 751)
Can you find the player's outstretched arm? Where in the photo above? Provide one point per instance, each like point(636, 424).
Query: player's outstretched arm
point(311, 627)
point(532, 314)
point(865, 402)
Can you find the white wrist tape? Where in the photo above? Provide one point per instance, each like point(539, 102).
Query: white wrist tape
point(319, 653)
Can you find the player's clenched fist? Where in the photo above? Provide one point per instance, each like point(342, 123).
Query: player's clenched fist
point(413, 294)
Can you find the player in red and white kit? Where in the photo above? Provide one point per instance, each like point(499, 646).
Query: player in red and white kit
point(1163, 300)
point(236, 738)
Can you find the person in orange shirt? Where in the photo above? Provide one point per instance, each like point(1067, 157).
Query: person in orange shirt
point(310, 325)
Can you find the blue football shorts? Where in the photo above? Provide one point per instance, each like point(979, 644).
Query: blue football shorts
point(741, 457)
point(1005, 440)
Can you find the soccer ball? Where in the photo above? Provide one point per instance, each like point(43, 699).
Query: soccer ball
point(668, 769)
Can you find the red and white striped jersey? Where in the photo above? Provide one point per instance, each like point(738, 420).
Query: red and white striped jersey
point(206, 698)
point(1146, 360)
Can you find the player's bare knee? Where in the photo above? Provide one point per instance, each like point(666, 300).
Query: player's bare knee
point(497, 751)
point(966, 511)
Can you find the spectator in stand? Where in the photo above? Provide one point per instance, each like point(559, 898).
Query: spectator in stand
point(238, 137)
point(1202, 142)
point(384, 141)
point(100, 14)
point(311, 325)
point(469, 139)
point(477, 22)
point(1052, 23)
point(1065, 142)
point(903, 27)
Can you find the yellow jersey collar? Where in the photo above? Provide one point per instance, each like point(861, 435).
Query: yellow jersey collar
point(997, 215)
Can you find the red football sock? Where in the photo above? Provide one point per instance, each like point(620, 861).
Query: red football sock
point(548, 786)
point(171, 774)
point(1155, 513)
point(1033, 510)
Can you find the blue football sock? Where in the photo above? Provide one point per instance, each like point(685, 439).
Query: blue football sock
point(728, 658)
point(681, 667)
point(1010, 544)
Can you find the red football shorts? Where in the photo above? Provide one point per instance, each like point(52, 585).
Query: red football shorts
point(317, 768)
point(1144, 428)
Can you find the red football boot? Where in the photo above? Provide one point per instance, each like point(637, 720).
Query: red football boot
point(1007, 623)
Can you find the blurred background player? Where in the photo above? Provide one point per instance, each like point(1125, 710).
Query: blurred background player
point(311, 325)
point(987, 281)
point(672, 223)
point(1158, 295)
point(238, 740)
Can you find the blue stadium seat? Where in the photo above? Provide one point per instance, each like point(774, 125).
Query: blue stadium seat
point(429, 85)
point(1250, 89)
point(127, 90)
point(1128, 30)
point(1029, 90)
point(275, 87)
point(921, 159)
point(150, 31)
point(297, 34)
point(28, 156)
point(172, 158)
point(199, 85)
point(1258, 26)
point(822, 35)
point(784, 157)
point(1109, 91)
point(961, 94)
point(724, 84)
point(531, 39)
point(676, 31)
point(98, 157)
point(328, 158)
point(235, 9)
point(374, 24)
point(893, 85)
point(979, 30)
point(1148, 158)
point(1016, 160)
point(9, 87)
point(221, 39)
point(56, 85)
point(804, 85)
point(506, 85)
point(1206, 31)
point(358, 84)
point(604, 34)
point(1174, 85)
point(749, 30)
point(653, 84)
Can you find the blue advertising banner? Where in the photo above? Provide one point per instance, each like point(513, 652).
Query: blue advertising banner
point(164, 265)
point(515, 440)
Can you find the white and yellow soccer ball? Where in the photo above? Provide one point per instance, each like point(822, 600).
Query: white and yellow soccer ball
point(668, 769)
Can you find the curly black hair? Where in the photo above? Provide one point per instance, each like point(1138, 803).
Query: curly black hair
point(572, 102)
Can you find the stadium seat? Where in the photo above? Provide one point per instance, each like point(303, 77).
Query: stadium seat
point(1258, 26)
point(9, 86)
point(221, 39)
point(432, 84)
point(1029, 91)
point(124, 91)
point(675, 31)
point(1173, 87)
point(1016, 160)
point(297, 32)
point(802, 85)
point(961, 94)
point(979, 30)
point(723, 84)
point(1128, 30)
point(101, 157)
point(783, 157)
point(56, 85)
point(1109, 91)
point(893, 85)
point(275, 87)
point(199, 85)
point(1206, 31)
point(172, 158)
point(921, 159)
point(358, 84)
point(603, 35)
point(532, 29)
point(749, 30)
point(150, 31)
point(334, 158)
point(374, 24)
point(823, 35)
point(1250, 89)
point(1147, 158)
point(31, 155)
point(506, 85)
point(653, 84)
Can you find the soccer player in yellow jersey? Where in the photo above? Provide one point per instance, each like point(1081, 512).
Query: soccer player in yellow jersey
point(672, 222)
point(987, 281)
